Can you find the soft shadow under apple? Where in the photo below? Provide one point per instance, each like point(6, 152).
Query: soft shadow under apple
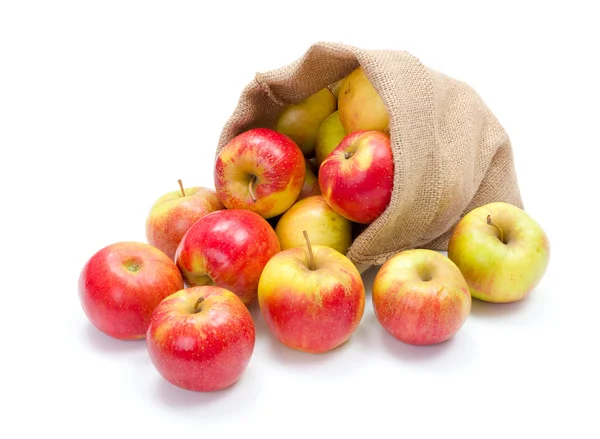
point(415, 353)
point(109, 345)
point(480, 308)
point(179, 399)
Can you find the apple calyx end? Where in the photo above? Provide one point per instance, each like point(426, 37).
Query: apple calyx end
point(348, 154)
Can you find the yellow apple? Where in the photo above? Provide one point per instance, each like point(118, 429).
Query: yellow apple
point(501, 250)
point(360, 106)
point(323, 224)
point(300, 122)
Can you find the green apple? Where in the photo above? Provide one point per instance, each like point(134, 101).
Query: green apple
point(300, 122)
point(501, 250)
point(324, 225)
point(330, 134)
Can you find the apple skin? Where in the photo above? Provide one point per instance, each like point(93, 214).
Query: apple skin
point(359, 187)
point(173, 214)
point(311, 184)
point(121, 284)
point(300, 122)
point(498, 272)
point(267, 157)
point(420, 297)
point(312, 311)
point(201, 347)
point(324, 225)
point(227, 248)
point(330, 134)
point(360, 106)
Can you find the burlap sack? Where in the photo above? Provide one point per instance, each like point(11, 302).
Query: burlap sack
point(450, 153)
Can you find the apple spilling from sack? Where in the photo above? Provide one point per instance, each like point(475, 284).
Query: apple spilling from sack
point(274, 233)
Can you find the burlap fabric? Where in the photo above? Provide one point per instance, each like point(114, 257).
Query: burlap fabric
point(450, 153)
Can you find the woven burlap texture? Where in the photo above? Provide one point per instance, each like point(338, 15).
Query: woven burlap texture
point(450, 153)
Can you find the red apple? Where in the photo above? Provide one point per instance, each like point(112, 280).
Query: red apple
point(122, 283)
point(175, 212)
point(227, 248)
point(312, 298)
point(421, 297)
point(260, 170)
point(201, 338)
point(357, 177)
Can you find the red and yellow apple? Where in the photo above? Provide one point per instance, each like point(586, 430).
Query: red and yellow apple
point(259, 170)
point(227, 248)
point(501, 250)
point(324, 225)
point(420, 297)
point(330, 134)
point(312, 301)
point(360, 106)
point(357, 178)
point(201, 338)
point(121, 284)
point(175, 212)
point(300, 122)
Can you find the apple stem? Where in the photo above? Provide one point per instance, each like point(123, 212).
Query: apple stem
point(500, 231)
point(198, 302)
point(348, 154)
point(311, 256)
point(251, 188)
point(181, 187)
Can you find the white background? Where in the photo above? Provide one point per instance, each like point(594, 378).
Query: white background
point(104, 105)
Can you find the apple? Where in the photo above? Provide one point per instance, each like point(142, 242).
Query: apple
point(201, 338)
point(312, 298)
point(121, 284)
point(311, 184)
point(356, 179)
point(501, 250)
point(227, 248)
point(259, 170)
point(175, 212)
point(324, 225)
point(301, 121)
point(420, 297)
point(330, 134)
point(360, 106)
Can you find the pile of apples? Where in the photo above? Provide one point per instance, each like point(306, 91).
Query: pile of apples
point(287, 202)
